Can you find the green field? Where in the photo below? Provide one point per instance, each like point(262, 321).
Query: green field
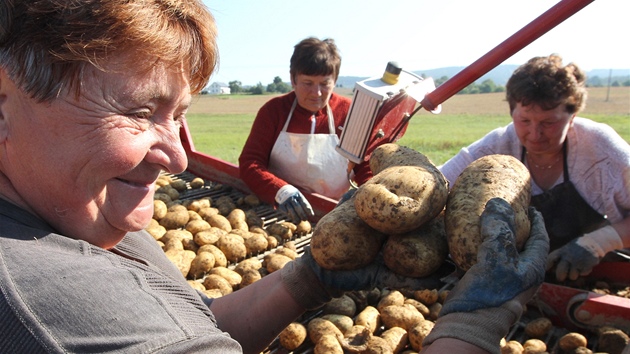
point(220, 124)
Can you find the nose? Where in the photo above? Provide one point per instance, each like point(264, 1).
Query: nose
point(168, 150)
point(535, 130)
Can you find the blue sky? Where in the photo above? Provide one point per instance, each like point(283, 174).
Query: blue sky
point(256, 37)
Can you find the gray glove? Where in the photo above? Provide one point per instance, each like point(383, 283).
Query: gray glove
point(293, 203)
point(312, 285)
point(490, 297)
point(579, 256)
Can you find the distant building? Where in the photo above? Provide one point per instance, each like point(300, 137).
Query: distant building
point(218, 88)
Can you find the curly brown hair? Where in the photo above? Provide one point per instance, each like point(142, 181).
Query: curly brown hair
point(45, 46)
point(545, 82)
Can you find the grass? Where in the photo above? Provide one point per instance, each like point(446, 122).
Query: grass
point(220, 124)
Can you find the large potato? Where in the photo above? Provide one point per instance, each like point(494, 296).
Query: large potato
point(292, 336)
point(417, 253)
point(488, 177)
point(403, 196)
point(392, 154)
point(341, 240)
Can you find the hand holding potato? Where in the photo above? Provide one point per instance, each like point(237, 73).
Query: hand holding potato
point(490, 297)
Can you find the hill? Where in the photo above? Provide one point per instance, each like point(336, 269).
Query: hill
point(500, 75)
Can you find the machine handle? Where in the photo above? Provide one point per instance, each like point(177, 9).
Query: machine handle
point(519, 40)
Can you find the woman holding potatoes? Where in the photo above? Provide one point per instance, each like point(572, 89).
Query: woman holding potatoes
point(580, 169)
point(291, 146)
point(92, 96)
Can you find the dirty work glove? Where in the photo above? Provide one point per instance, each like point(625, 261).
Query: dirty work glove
point(312, 285)
point(489, 298)
point(293, 203)
point(579, 256)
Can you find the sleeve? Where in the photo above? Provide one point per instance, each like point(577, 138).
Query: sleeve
point(254, 158)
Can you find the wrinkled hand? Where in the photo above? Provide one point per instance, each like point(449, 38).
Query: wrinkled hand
point(490, 297)
point(579, 256)
point(293, 203)
point(501, 273)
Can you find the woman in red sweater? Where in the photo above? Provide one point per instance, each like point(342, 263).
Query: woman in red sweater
point(291, 146)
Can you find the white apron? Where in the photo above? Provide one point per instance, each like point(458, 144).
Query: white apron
point(310, 161)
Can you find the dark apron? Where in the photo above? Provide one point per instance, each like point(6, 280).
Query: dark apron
point(567, 216)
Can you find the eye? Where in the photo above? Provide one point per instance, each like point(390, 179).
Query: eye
point(180, 119)
point(140, 115)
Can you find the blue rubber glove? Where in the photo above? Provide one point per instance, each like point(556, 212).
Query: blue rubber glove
point(490, 297)
point(293, 203)
point(579, 256)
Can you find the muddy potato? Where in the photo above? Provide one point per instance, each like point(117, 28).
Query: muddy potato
point(319, 327)
point(181, 259)
point(370, 318)
point(328, 344)
point(236, 215)
point(417, 253)
point(378, 345)
point(341, 240)
point(434, 310)
point(209, 237)
point(286, 251)
point(534, 345)
point(197, 183)
point(612, 341)
point(168, 190)
point(405, 316)
point(488, 177)
point(401, 198)
point(179, 185)
point(192, 215)
point(280, 229)
point(512, 347)
point(201, 265)
point(393, 297)
point(343, 305)
point(233, 246)
point(422, 308)
point(159, 209)
point(219, 221)
point(230, 275)
point(175, 219)
point(292, 336)
point(256, 244)
point(426, 296)
point(418, 332)
point(274, 262)
point(343, 322)
point(195, 226)
point(249, 277)
point(219, 257)
point(252, 263)
point(392, 154)
point(356, 339)
point(215, 281)
point(196, 285)
point(571, 341)
point(207, 212)
point(156, 230)
point(163, 180)
point(538, 327)
point(396, 338)
point(304, 227)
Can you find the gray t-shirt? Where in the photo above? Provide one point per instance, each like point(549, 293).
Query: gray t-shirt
point(65, 295)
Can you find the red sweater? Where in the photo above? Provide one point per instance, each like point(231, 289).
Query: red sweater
point(267, 126)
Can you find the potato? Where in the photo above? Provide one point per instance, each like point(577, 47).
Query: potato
point(207, 212)
point(319, 327)
point(251, 200)
point(233, 246)
point(488, 177)
point(612, 341)
point(219, 257)
point(370, 318)
point(215, 281)
point(343, 305)
point(571, 341)
point(378, 345)
point(395, 337)
point(274, 262)
point(231, 276)
point(512, 347)
point(256, 244)
point(252, 263)
point(197, 183)
point(208, 237)
point(249, 277)
point(538, 328)
point(304, 228)
point(434, 311)
point(219, 221)
point(417, 253)
point(156, 230)
point(534, 345)
point(341, 240)
point(179, 185)
point(328, 344)
point(280, 229)
point(201, 265)
point(181, 259)
point(159, 209)
point(394, 297)
point(405, 316)
point(343, 322)
point(286, 251)
point(426, 296)
point(195, 226)
point(175, 219)
point(292, 336)
point(401, 198)
point(422, 308)
point(356, 339)
point(418, 332)
point(196, 285)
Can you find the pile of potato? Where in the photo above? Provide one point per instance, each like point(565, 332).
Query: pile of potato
point(216, 243)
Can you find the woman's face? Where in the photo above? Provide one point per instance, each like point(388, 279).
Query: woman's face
point(541, 131)
point(313, 92)
point(88, 166)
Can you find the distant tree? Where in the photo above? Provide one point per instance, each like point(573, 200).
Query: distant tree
point(235, 86)
point(487, 86)
point(257, 90)
point(278, 86)
point(626, 83)
point(277, 80)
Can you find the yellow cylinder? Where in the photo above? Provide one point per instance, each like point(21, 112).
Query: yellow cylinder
point(392, 72)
